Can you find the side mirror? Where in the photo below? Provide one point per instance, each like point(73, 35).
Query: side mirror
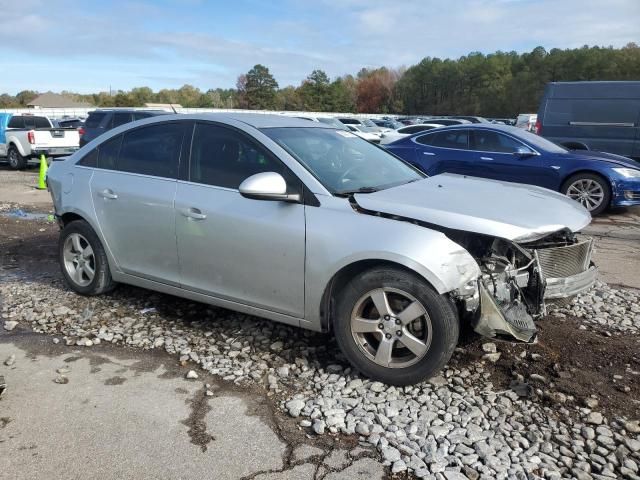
point(266, 186)
point(524, 152)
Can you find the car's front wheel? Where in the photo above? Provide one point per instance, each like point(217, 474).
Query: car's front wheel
point(83, 260)
point(394, 327)
point(591, 190)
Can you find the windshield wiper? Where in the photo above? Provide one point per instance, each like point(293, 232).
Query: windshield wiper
point(358, 190)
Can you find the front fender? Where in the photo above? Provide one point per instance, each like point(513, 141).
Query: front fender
point(337, 236)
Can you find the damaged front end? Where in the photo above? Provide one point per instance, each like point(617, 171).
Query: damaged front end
point(519, 280)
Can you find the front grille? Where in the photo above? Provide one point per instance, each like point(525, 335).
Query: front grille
point(561, 262)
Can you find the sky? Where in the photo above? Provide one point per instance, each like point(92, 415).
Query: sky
point(90, 46)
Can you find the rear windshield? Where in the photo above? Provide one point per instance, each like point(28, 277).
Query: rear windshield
point(94, 120)
point(36, 122)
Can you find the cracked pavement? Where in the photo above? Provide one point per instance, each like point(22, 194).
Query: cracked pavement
point(129, 414)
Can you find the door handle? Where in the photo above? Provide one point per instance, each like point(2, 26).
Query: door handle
point(428, 153)
point(486, 158)
point(108, 194)
point(193, 213)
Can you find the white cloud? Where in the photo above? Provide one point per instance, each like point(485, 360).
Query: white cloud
point(299, 36)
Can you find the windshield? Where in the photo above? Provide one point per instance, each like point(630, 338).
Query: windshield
point(341, 161)
point(537, 141)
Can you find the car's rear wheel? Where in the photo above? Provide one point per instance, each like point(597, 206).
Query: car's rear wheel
point(16, 161)
point(83, 260)
point(393, 327)
point(591, 190)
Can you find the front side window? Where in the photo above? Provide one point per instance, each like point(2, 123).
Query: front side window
point(341, 161)
point(223, 157)
point(152, 150)
point(490, 141)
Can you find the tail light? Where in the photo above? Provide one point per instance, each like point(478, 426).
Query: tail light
point(538, 128)
point(31, 137)
point(81, 131)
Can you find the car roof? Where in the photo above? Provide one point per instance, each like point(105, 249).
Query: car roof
point(128, 110)
point(481, 126)
point(256, 120)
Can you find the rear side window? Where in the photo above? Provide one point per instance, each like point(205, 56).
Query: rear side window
point(90, 159)
point(153, 150)
point(108, 153)
point(16, 122)
point(120, 118)
point(414, 129)
point(458, 139)
point(224, 158)
point(94, 120)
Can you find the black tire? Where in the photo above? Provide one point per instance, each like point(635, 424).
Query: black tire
point(16, 161)
point(604, 185)
point(102, 281)
point(445, 325)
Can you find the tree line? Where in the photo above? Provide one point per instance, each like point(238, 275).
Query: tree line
point(500, 84)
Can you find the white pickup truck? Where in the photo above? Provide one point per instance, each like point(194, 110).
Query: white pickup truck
point(26, 137)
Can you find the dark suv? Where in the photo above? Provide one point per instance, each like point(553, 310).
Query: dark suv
point(100, 121)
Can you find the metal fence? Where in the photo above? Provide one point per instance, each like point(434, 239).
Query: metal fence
point(83, 112)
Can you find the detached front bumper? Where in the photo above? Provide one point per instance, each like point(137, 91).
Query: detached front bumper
point(562, 272)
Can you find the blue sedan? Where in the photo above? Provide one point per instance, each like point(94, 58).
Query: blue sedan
point(597, 180)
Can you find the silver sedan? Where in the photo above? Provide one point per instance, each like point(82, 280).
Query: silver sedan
point(309, 225)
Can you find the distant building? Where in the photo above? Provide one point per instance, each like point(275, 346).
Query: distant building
point(55, 100)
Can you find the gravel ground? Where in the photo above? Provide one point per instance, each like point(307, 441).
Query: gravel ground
point(478, 419)
point(456, 425)
point(605, 306)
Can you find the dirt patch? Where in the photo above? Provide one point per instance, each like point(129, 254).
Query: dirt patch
point(115, 380)
point(583, 364)
point(196, 422)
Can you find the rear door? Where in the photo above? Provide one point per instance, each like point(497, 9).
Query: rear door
point(243, 250)
point(133, 191)
point(445, 151)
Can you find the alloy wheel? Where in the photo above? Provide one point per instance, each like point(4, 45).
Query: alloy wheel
point(79, 259)
point(391, 327)
point(586, 191)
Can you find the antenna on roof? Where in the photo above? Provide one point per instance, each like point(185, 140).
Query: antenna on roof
point(173, 108)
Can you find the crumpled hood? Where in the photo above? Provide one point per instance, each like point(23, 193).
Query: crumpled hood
point(609, 157)
point(512, 211)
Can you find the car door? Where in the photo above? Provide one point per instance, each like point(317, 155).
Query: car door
point(239, 249)
point(503, 157)
point(133, 191)
point(445, 151)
